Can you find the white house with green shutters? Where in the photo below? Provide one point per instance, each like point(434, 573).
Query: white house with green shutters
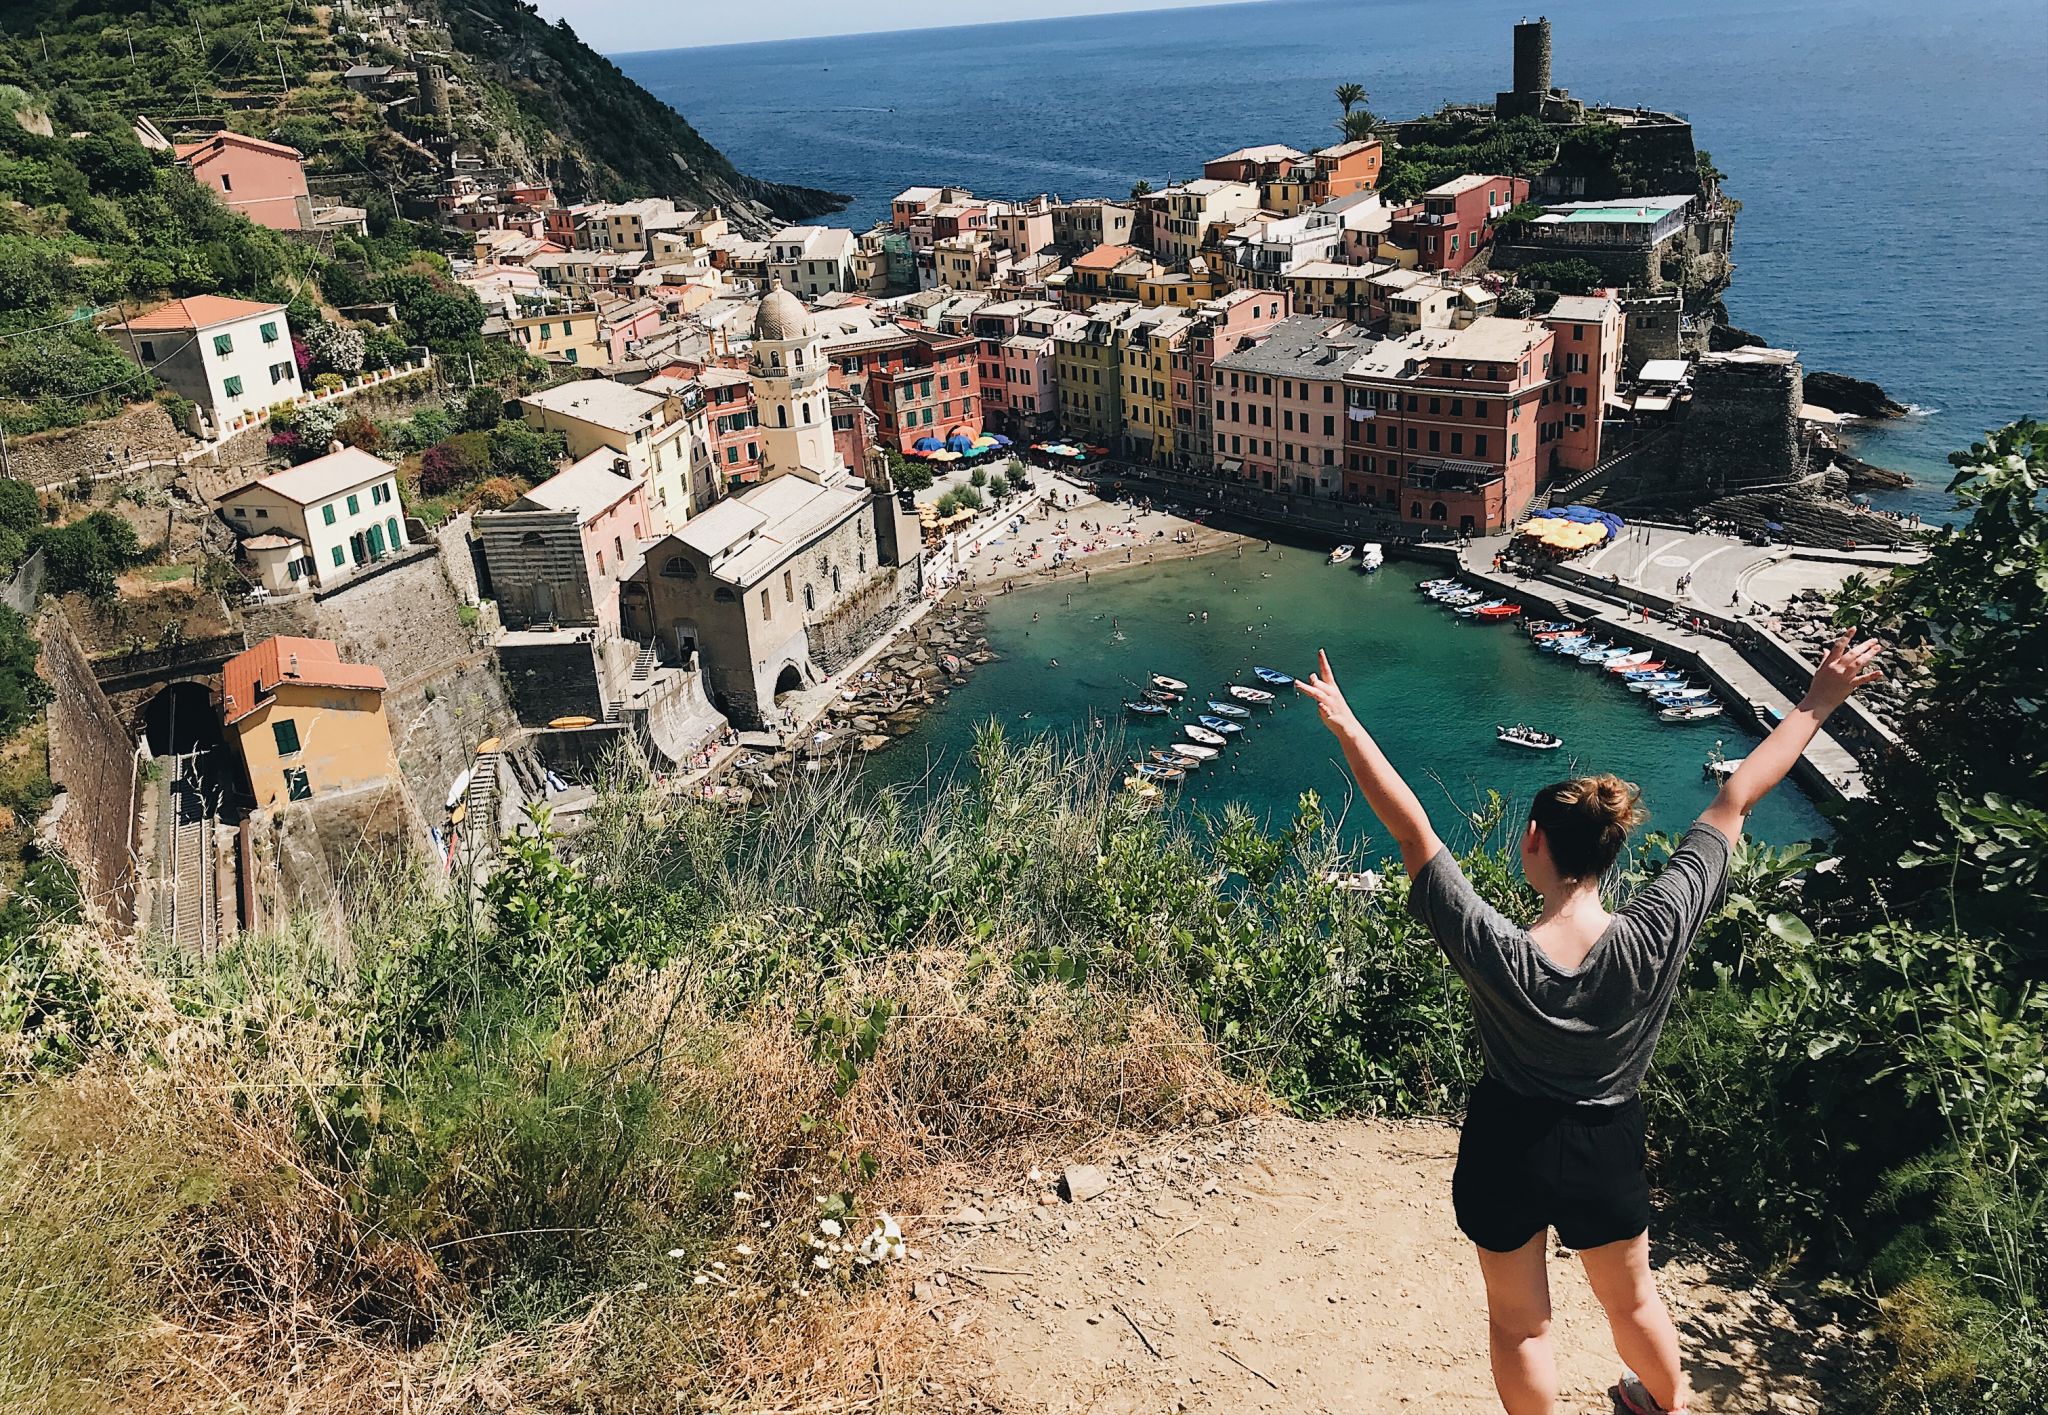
point(233, 358)
point(314, 525)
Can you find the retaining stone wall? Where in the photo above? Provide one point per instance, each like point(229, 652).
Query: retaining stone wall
point(140, 432)
point(92, 760)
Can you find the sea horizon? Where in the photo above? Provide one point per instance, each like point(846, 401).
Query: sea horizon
point(617, 55)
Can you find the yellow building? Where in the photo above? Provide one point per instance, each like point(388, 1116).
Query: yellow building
point(1087, 365)
point(1151, 339)
point(570, 337)
point(307, 724)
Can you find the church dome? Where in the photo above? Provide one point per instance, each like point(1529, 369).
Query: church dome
point(782, 316)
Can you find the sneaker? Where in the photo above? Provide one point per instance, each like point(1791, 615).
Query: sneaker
point(1632, 1396)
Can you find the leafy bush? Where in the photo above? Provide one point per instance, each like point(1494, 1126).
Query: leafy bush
point(1568, 277)
point(86, 555)
point(978, 477)
point(479, 410)
point(329, 383)
point(22, 691)
point(518, 449)
point(455, 462)
point(999, 486)
point(422, 430)
point(335, 348)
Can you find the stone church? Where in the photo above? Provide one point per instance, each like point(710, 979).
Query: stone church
point(775, 588)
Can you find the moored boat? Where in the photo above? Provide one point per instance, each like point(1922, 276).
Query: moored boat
point(1371, 556)
point(1477, 605)
point(1499, 611)
point(1220, 724)
point(1193, 752)
point(1520, 736)
point(1273, 676)
point(1660, 683)
point(1146, 709)
point(1694, 712)
point(1540, 628)
point(1629, 660)
point(1160, 695)
point(1250, 695)
point(1229, 709)
point(1171, 685)
point(1442, 583)
point(1621, 670)
point(1202, 735)
point(1342, 553)
point(1678, 696)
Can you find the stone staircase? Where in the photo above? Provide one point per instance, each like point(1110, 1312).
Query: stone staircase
point(643, 666)
point(480, 806)
point(194, 911)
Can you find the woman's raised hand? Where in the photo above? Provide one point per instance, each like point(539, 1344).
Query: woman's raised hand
point(1321, 687)
point(1846, 667)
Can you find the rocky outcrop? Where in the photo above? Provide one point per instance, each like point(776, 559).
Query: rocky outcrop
point(1856, 397)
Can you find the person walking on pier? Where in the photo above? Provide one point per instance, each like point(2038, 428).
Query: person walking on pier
point(1569, 1009)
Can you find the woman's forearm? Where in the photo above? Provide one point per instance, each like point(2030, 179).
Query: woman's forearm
point(1390, 797)
point(1762, 770)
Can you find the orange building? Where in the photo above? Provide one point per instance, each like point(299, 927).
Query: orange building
point(265, 181)
point(307, 723)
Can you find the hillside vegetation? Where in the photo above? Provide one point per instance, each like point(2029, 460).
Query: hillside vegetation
point(633, 1127)
point(527, 95)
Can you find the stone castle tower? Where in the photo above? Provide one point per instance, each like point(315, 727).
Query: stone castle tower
point(1532, 96)
point(791, 400)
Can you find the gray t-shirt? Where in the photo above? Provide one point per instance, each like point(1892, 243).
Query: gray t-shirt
point(1586, 1033)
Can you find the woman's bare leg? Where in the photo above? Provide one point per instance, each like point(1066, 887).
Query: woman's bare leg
point(1518, 1327)
point(1644, 1336)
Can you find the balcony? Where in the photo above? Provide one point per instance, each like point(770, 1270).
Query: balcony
point(1450, 474)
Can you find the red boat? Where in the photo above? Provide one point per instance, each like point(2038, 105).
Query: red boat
point(1650, 667)
point(1555, 633)
point(1500, 611)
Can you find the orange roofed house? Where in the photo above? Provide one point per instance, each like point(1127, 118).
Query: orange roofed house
point(307, 724)
point(233, 358)
point(265, 181)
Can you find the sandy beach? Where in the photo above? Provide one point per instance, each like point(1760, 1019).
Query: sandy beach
point(1087, 538)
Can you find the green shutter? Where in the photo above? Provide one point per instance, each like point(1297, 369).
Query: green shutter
point(297, 784)
point(337, 556)
point(286, 732)
point(232, 386)
point(353, 508)
point(270, 333)
point(223, 344)
point(327, 514)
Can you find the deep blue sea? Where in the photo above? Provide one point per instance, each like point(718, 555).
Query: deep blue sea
point(1891, 155)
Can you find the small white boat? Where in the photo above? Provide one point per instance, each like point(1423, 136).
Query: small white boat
point(460, 789)
point(1520, 736)
point(1697, 712)
point(1250, 695)
point(1629, 660)
point(1662, 683)
point(1371, 556)
point(1677, 696)
point(1171, 685)
point(1203, 735)
point(1721, 768)
point(1432, 586)
point(1229, 709)
point(1342, 553)
point(1193, 753)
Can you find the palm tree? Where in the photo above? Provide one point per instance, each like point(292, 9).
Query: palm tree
point(1140, 188)
point(1360, 125)
point(1350, 95)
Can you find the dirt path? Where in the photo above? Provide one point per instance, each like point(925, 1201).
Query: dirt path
point(1283, 1266)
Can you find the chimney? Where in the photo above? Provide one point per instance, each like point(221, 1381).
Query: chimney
point(292, 667)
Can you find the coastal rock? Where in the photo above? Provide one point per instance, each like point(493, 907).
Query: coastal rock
point(1854, 396)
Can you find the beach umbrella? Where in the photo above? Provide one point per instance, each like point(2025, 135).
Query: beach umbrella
point(959, 442)
point(927, 444)
point(1000, 440)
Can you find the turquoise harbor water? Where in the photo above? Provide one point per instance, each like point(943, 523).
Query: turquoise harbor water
point(1889, 154)
point(1431, 687)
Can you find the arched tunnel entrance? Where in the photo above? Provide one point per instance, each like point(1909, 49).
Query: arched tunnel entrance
point(181, 718)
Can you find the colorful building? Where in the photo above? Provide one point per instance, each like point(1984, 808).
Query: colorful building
point(557, 554)
point(1182, 216)
point(1088, 366)
point(1220, 327)
point(1587, 333)
point(565, 336)
point(1454, 221)
point(1445, 428)
point(306, 724)
point(662, 437)
point(918, 382)
point(1019, 391)
point(1152, 341)
point(232, 358)
point(1280, 406)
point(264, 181)
point(316, 524)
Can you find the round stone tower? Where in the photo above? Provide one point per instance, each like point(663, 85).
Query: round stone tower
point(1532, 57)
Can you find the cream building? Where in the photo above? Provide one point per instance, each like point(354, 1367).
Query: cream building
point(233, 358)
point(316, 524)
point(663, 437)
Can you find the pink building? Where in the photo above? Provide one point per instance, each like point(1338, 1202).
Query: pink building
point(621, 324)
point(265, 181)
point(1279, 406)
point(558, 554)
point(1218, 327)
point(732, 423)
point(1022, 227)
point(1019, 395)
point(1586, 333)
point(1454, 222)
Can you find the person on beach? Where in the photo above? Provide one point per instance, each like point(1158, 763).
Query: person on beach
point(1569, 1008)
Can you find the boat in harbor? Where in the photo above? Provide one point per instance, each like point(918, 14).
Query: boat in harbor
point(1154, 771)
point(1660, 683)
point(1499, 611)
point(1621, 667)
point(1476, 606)
point(1628, 660)
point(1250, 695)
point(1202, 735)
point(1160, 695)
point(1342, 553)
point(1171, 685)
point(1229, 709)
point(1695, 712)
point(1194, 753)
point(1143, 709)
point(1602, 654)
point(1371, 556)
point(1273, 677)
point(1678, 697)
point(1566, 643)
point(1432, 586)
point(1543, 628)
point(1520, 736)
point(1220, 724)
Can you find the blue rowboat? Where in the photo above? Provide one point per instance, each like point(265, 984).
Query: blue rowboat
point(1228, 709)
point(1273, 676)
point(1146, 709)
point(1220, 724)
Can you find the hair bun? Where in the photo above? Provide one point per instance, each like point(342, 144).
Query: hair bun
point(1618, 803)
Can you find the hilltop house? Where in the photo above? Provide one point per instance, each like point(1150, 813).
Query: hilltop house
point(230, 357)
point(314, 525)
point(264, 181)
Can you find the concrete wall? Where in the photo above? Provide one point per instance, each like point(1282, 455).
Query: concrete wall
point(537, 567)
point(92, 761)
point(309, 856)
point(554, 678)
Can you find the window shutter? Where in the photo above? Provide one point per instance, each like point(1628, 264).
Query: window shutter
point(223, 344)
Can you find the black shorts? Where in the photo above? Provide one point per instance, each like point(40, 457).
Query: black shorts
point(1526, 1165)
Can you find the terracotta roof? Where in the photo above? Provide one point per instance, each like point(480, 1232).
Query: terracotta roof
point(1105, 257)
point(186, 150)
point(199, 312)
point(250, 678)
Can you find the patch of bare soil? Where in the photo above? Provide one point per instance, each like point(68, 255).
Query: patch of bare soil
point(1281, 1266)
